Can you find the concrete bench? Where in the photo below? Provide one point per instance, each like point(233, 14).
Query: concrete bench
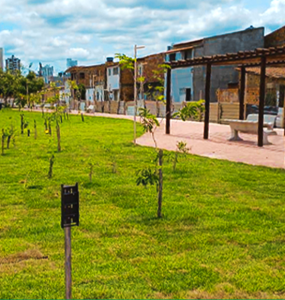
point(269, 120)
point(248, 127)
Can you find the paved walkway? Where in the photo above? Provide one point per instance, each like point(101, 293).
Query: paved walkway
point(218, 145)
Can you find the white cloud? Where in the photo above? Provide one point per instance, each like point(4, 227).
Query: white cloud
point(275, 14)
point(51, 30)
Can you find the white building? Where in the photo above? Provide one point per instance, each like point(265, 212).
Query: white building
point(113, 82)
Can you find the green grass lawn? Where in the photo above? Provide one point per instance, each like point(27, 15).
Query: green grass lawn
point(222, 234)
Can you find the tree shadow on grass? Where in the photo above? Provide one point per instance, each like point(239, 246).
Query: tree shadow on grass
point(89, 185)
point(35, 187)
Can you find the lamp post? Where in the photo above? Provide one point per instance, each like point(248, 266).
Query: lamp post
point(135, 92)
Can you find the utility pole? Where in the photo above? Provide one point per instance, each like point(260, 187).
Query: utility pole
point(135, 91)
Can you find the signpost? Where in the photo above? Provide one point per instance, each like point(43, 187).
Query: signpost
point(69, 218)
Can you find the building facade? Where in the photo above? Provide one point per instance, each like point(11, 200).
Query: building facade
point(189, 83)
point(94, 80)
point(13, 64)
point(151, 69)
point(71, 63)
point(47, 73)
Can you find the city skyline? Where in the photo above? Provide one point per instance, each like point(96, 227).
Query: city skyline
point(89, 33)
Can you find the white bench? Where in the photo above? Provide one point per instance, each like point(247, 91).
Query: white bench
point(249, 127)
point(269, 120)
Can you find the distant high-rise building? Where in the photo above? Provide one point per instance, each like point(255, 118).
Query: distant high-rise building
point(1, 59)
point(47, 73)
point(71, 63)
point(13, 64)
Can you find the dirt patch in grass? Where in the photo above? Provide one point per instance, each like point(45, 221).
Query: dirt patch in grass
point(234, 294)
point(23, 256)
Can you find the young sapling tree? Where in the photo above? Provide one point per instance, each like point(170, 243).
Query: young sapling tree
point(51, 163)
point(3, 140)
point(149, 123)
point(10, 134)
point(192, 111)
point(148, 176)
point(35, 129)
point(181, 148)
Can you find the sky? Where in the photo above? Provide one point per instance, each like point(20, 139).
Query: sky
point(50, 31)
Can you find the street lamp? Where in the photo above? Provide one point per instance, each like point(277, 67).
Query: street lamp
point(135, 92)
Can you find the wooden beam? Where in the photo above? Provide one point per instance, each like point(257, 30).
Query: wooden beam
point(241, 94)
point(261, 101)
point(207, 99)
point(168, 100)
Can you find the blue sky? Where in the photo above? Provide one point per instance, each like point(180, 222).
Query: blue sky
point(49, 31)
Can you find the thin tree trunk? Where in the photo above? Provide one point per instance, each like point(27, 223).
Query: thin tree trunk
point(160, 184)
point(175, 161)
point(22, 124)
point(8, 141)
point(154, 140)
point(3, 141)
point(58, 137)
point(90, 173)
point(51, 162)
point(35, 128)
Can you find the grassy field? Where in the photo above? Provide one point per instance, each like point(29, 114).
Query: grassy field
point(222, 234)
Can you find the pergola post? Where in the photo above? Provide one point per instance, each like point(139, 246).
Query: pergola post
point(261, 101)
point(168, 100)
point(207, 101)
point(242, 93)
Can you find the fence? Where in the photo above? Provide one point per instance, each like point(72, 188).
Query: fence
point(218, 111)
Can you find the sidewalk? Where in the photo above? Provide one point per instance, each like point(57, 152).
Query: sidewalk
point(217, 146)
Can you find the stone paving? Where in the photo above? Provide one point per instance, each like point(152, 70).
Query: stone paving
point(217, 146)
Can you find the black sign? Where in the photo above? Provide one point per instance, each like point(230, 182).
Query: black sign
point(69, 206)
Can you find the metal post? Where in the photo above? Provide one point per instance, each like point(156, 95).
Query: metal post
point(67, 235)
point(241, 94)
point(207, 99)
point(168, 101)
point(261, 101)
point(135, 97)
point(160, 184)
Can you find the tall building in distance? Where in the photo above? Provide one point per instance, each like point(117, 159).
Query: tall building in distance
point(71, 63)
point(47, 73)
point(13, 64)
point(1, 59)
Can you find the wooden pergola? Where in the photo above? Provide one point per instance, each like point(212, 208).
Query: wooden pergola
point(256, 58)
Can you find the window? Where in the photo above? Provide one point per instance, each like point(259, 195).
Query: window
point(172, 57)
point(82, 75)
point(115, 71)
point(188, 95)
point(116, 95)
point(188, 54)
point(185, 94)
point(109, 72)
point(140, 70)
